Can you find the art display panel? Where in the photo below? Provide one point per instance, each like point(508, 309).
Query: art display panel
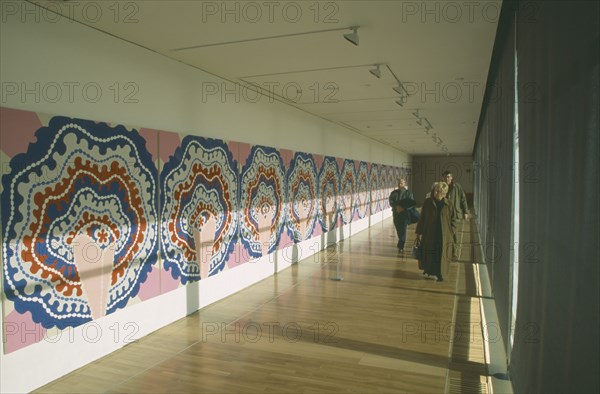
point(97, 217)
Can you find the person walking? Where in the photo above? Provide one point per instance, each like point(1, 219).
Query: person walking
point(397, 199)
point(434, 232)
point(457, 198)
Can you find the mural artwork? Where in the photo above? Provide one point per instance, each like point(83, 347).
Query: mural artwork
point(262, 191)
point(328, 191)
point(78, 222)
point(199, 207)
point(347, 191)
point(302, 196)
point(362, 191)
point(390, 185)
point(90, 226)
point(374, 189)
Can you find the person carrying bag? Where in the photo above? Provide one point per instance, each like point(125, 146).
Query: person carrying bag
point(401, 200)
point(434, 233)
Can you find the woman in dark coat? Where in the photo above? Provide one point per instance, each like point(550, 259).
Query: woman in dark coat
point(434, 230)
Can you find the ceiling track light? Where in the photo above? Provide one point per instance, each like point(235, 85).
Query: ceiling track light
point(396, 78)
point(428, 125)
point(400, 90)
point(420, 121)
point(353, 37)
point(416, 113)
point(401, 101)
point(376, 71)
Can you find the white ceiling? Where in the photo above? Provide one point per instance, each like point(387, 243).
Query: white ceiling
point(295, 50)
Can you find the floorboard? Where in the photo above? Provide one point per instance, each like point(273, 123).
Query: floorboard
point(382, 328)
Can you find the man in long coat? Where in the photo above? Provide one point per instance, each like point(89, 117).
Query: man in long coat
point(458, 200)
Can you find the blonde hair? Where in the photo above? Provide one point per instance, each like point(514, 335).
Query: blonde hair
point(439, 187)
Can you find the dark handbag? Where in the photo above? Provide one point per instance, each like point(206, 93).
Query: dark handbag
point(413, 215)
point(417, 251)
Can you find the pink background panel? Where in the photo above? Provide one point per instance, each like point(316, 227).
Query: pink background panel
point(238, 257)
point(318, 230)
point(319, 162)
point(21, 331)
point(285, 239)
point(151, 287)
point(167, 283)
point(17, 130)
point(287, 156)
point(240, 151)
point(151, 137)
point(169, 142)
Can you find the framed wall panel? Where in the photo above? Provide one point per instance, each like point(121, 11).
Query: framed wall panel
point(303, 196)
point(347, 191)
point(374, 188)
point(79, 217)
point(363, 201)
point(199, 206)
point(328, 193)
point(262, 201)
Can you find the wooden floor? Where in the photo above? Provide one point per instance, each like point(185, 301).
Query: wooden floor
point(383, 328)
